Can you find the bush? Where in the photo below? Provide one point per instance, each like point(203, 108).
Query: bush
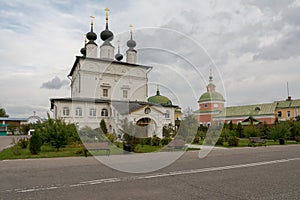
point(23, 143)
point(220, 141)
point(196, 140)
point(279, 131)
point(110, 137)
point(251, 131)
point(156, 141)
point(233, 141)
point(165, 141)
point(35, 143)
point(16, 150)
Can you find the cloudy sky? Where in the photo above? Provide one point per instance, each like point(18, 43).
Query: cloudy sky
point(252, 47)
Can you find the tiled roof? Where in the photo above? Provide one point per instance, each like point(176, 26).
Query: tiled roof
point(248, 110)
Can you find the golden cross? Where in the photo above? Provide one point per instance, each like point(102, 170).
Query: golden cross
point(92, 20)
point(130, 26)
point(106, 10)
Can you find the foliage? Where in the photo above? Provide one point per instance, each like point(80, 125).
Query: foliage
point(295, 129)
point(188, 127)
point(110, 137)
point(220, 141)
point(13, 129)
point(251, 131)
point(239, 130)
point(23, 143)
point(155, 141)
point(196, 140)
point(279, 131)
point(103, 126)
point(57, 132)
point(168, 131)
point(233, 141)
point(264, 131)
point(35, 143)
point(165, 141)
point(3, 113)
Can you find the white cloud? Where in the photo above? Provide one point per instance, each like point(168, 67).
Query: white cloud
point(254, 43)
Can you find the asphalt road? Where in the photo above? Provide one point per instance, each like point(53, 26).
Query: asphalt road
point(271, 172)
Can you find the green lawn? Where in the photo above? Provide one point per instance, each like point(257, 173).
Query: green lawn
point(244, 143)
point(48, 151)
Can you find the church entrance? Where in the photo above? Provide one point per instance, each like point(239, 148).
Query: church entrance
point(145, 127)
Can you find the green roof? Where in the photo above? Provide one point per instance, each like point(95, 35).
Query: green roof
point(248, 110)
point(211, 96)
point(159, 99)
point(288, 104)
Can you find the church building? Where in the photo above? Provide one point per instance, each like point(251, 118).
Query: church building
point(105, 87)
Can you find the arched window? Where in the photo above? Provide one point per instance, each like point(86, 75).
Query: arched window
point(104, 112)
point(78, 111)
point(167, 114)
point(92, 112)
point(66, 111)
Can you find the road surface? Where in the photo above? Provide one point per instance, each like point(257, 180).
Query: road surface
point(271, 172)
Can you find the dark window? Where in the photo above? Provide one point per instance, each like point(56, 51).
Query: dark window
point(104, 112)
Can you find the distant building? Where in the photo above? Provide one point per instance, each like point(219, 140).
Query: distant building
point(7, 122)
point(104, 87)
point(211, 109)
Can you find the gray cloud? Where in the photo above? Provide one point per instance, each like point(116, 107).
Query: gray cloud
point(55, 83)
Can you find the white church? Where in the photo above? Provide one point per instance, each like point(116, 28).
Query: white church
point(105, 87)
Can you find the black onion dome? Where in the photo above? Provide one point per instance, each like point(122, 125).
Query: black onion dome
point(131, 43)
point(106, 35)
point(119, 56)
point(91, 35)
point(83, 51)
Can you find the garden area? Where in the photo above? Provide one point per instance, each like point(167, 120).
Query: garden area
point(55, 138)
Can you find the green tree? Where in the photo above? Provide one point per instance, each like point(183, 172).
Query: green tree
point(251, 131)
point(279, 131)
point(3, 113)
point(103, 126)
point(239, 129)
point(35, 143)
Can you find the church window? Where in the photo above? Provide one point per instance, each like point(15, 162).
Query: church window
point(104, 112)
point(167, 114)
point(147, 111)
point(125, 94)
point(78, 111)
point(288, 113)
point(92, 112)
point(105, 92)
point(206, 105)
point(66, 111)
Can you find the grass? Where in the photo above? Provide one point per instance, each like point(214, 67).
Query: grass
point(48, 151)
point(244, 143)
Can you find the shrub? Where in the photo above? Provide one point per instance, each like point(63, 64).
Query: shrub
point(196, 140)
point(279, 131)
point(156, 141)
point(251, 131)
point(233, 141)
point(23, 143)
point(16, 150)
point(35, 143)
point(220, 141)
point(110, 137)
point(165, 141)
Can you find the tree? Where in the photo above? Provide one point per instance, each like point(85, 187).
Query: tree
point(103, 126)
point(279, 131)
point(3, 113)
point(239, 129)
point(35, 143)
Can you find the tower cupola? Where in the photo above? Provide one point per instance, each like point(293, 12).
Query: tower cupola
point(107, 49)
point(131, 52)
point(91, 46)
point(118, 56)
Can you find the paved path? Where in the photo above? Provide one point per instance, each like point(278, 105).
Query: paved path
point(238, 173)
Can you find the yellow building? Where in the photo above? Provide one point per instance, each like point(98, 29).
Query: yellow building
point(288, 109)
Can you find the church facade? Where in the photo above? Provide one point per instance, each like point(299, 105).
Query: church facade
point(105, 87)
